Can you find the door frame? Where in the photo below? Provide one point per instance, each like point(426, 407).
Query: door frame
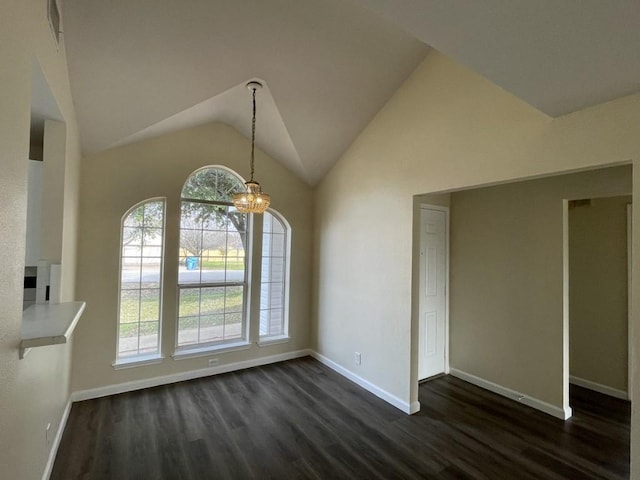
point(629, 303)
point(426, 206)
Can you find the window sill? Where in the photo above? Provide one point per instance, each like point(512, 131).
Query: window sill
point(185, 353)
point(137, 361)
point(266, 341)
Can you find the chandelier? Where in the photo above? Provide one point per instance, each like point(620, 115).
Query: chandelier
point(252, 200)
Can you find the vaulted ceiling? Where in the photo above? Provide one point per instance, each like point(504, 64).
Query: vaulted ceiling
point(143, 68)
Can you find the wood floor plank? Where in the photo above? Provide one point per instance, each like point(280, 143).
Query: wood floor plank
point(301, 420)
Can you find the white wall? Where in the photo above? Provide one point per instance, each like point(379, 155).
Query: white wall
point(34, 213)
point(33, 391)
point(446, 128)
point(114, 181)
point(598, 292)
point(507, 321)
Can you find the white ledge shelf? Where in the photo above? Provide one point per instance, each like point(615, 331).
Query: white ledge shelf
point(48, 324)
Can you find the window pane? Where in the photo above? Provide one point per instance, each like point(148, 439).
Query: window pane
point(272, 270)
point(276, 295)
point(132, 253)
point(141, 280)
point(237, 219)
point(278, 228)
point(132, 236)
point(150, 273)
point(233, 325)
point(277, 246)
point(187, 330)
point(191, 242)
point(154, 215)
point(233, 300)
point(210, 314)
point(264, 295)
point(213, 269)
point(148, 337)
point(152, 242)
point(214, 184)
point(211, 328)
point(152, 236)
point(189, 302)
point(135, 217)
point(129, 306)
point(235, 269)
point(213, 217)
point(190, 213)
point(272, 289)
point(150, 304)
point(212, 300)
point(212, 255)
point(211, 248)
point(128, 339)
point(271, 322)
point(130, 273)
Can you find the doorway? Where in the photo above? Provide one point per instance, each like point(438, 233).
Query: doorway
point(599, 293)
point(433, 280)
point(507, 297)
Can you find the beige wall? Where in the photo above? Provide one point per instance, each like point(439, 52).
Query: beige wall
point(446, 128)
point(634, 328)
point(506, 297)
point(598, 292)
point(33, 391)
point(114, 181)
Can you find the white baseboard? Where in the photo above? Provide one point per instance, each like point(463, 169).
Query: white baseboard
point(553, 410)
point(598, 387)
point(406, 407)
point(182, 376)
point(56, 442)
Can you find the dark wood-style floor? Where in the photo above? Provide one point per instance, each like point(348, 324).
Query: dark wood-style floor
point(299, 419)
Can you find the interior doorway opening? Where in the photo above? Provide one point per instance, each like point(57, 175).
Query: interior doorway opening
point(508, 296)
point(599, 290)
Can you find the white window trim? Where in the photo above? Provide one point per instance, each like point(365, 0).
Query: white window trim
point(145, 359)
point(137, 361)
point(187, 352)
point(264, 340)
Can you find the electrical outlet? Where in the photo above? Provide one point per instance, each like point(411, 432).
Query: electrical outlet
point(213, 362)
point(47, 432)
point(358, 358)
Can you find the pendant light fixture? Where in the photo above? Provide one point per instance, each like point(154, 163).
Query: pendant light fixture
point(252, 200)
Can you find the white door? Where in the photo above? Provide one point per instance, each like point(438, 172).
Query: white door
point(433, 303)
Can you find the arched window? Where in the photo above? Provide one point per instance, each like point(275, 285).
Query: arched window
point(274, 278)
point(141, 254)
point(212, 273)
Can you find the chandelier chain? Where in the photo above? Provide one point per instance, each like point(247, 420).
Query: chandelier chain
point(252, 199)
point(253, 132)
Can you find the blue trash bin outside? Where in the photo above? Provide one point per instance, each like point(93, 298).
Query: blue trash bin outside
point(192, 263)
